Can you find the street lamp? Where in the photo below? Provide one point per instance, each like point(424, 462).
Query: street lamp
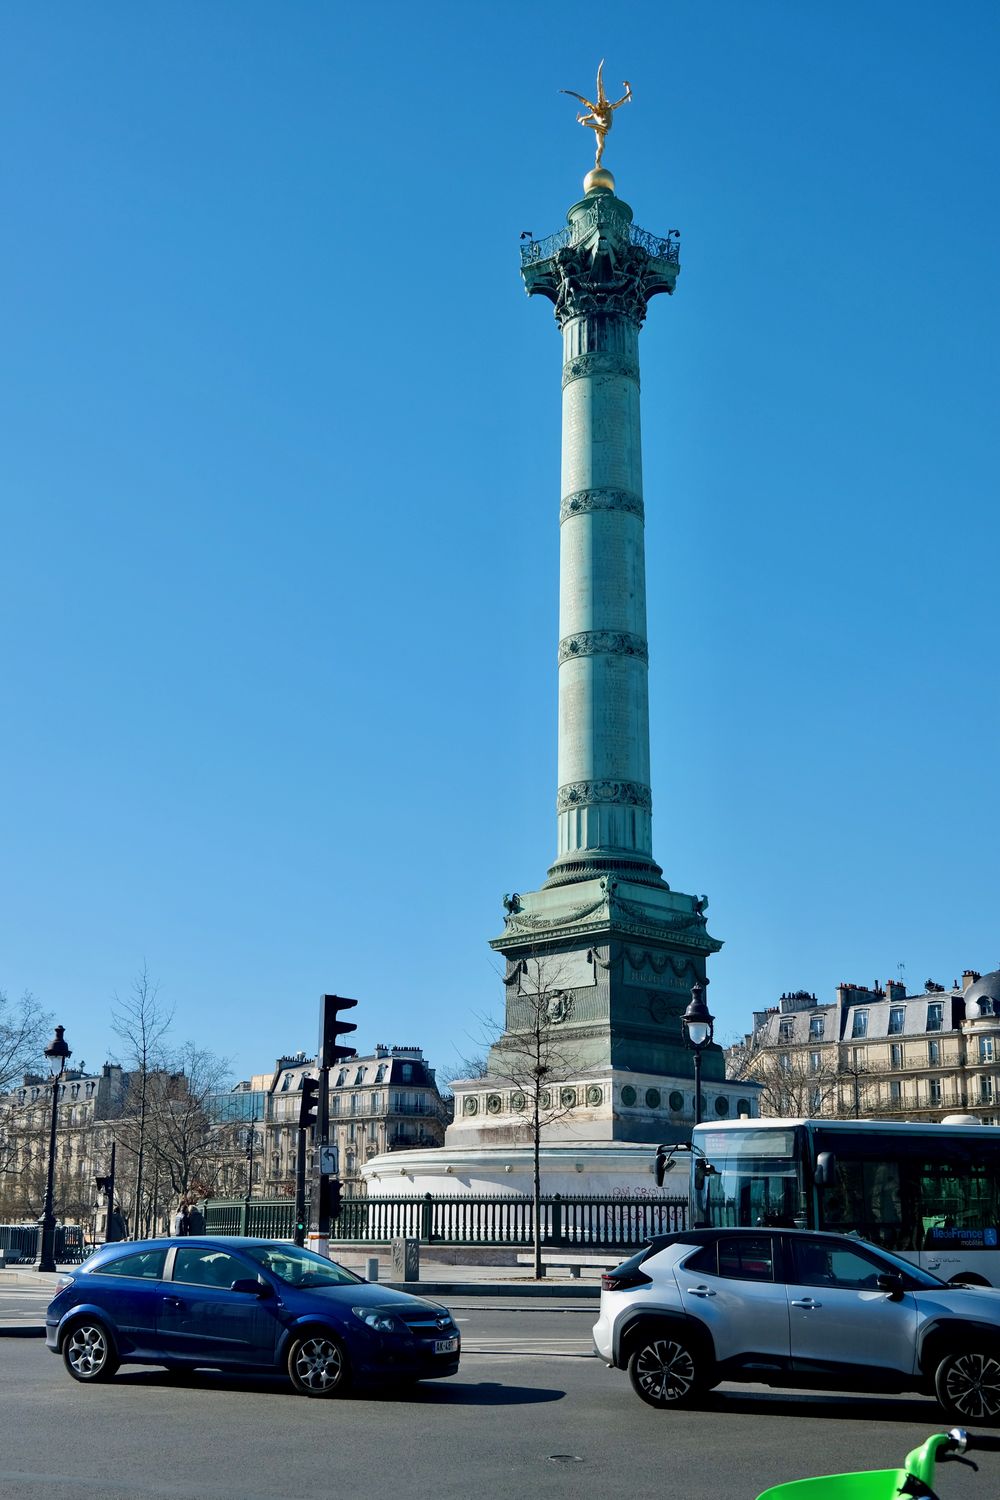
point(251, 1133)
point(46, 1256)
point(699, 1025)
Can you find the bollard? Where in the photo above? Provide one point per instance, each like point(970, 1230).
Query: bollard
point(405, 1259)
point(372, 1272)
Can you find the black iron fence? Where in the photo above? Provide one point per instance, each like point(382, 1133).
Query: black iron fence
point(20, 1243)
point(610, 1222)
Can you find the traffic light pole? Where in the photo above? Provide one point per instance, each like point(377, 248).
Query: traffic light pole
point(319, 1219)
point(300, 1188)
point(325, 1187)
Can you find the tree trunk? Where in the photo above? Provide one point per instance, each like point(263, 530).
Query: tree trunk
point(536, 1192)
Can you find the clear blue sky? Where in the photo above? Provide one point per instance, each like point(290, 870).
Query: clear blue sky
point(279, 457)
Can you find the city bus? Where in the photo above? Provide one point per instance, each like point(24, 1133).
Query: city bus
point(931, 1193)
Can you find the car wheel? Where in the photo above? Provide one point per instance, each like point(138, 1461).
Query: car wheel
point(967, 1385)
point(88, 1351)
point(317, 1365)
point(665, 1371)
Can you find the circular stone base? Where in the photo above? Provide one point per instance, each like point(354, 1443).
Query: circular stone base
point(587, 1167)
point(599, 180)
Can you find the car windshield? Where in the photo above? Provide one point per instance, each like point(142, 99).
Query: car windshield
point(300, 1267)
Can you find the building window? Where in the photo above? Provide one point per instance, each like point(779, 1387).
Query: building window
point(380, 1073)
point(934, 1090)
point(934, 1054)
point(407, 1072)
point(897, 1015)
point(935, 1016)
point(785, 1062)
point(985, 1049)
point(858, 1058)
point(860, 1023)
point(896, 1054)
point(359, 1077)
point(335, 1104)
point(785, 1030)
point(815, 1101)
point(814, 1062)
point(985, 1089)
point(355, 1104)
point(895, 1091)
point(376, 1104)
point(816, 1027)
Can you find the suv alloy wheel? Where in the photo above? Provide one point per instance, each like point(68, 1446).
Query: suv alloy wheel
point(665, 1371)
point(967, 1385)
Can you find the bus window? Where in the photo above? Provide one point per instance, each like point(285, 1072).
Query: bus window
point(959, 1208)
point(871, 1198)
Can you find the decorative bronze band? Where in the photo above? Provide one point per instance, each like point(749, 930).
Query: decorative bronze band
point(602, 643)
point(622, 793)
point(600, 362)
point(582, 501)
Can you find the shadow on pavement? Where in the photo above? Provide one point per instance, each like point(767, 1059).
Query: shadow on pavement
point(426, 1393)
point(821, 1404)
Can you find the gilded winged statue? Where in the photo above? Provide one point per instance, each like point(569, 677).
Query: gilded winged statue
point(599, 117)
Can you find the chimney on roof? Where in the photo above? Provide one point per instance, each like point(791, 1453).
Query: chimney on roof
point(895, 989)
point(969, 976)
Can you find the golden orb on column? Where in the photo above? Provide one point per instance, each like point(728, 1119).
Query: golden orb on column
point(599, 180)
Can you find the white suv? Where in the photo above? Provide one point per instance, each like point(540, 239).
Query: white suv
point(790, 1307)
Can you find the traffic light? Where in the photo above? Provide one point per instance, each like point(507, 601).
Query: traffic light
point(308, 1103)
point(330, 1027)
point(329, 1199)
point(104, 1184)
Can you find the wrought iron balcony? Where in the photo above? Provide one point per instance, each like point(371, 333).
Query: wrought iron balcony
point(599, 217)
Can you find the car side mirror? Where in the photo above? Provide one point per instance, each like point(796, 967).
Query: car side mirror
point(253, 1286)
point(889, 1282)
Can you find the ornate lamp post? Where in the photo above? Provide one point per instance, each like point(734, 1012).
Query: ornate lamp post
point(46, 1258)
point(699, 1026)
point(251, 1134)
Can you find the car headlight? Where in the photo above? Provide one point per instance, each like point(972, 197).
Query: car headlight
point(381, 1322)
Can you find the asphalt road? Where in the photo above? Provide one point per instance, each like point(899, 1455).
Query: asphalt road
point(531, 1412)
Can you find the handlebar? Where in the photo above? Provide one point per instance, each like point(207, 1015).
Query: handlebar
point(969, 1442)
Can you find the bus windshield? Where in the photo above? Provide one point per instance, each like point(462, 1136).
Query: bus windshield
point(754, 1178)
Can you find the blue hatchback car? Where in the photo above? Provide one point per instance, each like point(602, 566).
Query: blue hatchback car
point(224, 1303)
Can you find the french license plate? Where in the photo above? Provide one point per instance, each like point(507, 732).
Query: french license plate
point(445, 1346)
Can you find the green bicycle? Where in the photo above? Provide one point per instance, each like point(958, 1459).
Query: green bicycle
point(915, 1479)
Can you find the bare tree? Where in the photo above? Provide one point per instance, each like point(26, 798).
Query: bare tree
point(538, 1056)
point(23, 1028)
point(190, 1151)
point(831, 1080)
point(141, 1023)
point(475, 1066)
